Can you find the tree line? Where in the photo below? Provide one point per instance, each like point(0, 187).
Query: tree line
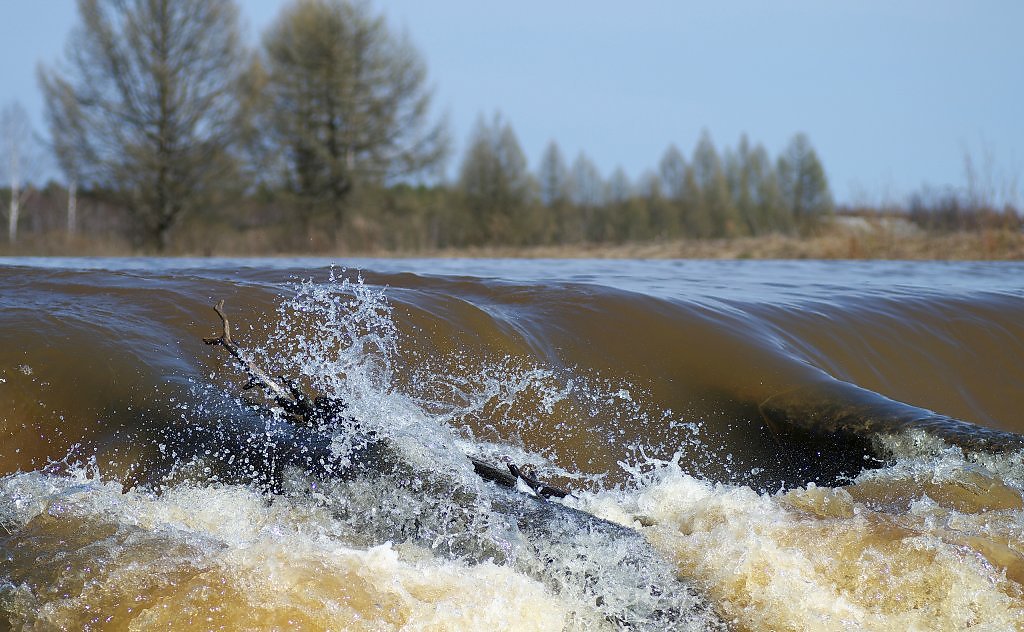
point(739, 192)
point(171, 132)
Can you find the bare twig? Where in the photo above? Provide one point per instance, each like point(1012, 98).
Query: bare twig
point(255, 373)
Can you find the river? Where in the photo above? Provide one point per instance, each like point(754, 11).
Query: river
point(803, 445)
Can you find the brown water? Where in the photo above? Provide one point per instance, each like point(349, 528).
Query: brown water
point(804, 445)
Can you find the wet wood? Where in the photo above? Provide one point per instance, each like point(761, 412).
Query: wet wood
point(304, 411)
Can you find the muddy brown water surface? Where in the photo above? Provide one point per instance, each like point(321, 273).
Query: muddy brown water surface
point(806, 445)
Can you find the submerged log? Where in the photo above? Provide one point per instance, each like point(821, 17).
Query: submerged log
point(610, 565)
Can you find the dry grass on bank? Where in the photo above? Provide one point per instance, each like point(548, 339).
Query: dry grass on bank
point(832, 244)
point(849, 238)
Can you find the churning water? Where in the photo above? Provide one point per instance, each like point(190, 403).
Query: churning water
point(749, 445)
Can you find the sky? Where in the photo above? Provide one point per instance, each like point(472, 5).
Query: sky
point(893, 95)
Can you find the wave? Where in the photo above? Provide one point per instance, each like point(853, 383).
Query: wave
point(798, 436)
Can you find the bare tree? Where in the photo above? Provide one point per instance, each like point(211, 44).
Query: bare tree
point(145, 105)
point(346, 101)
point(72, 207)
point(21, 159)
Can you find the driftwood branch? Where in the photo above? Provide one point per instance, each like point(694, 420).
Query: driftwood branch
point(296, 404)
point(510, 477)
point(301, 409)
point(255, 373)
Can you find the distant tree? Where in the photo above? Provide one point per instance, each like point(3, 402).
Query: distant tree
point(737, 174)
point(802, 182)
point(72, 215)
point(586, 193)
point(20, 158)
point(550, 216)
point(346, 101)
point(145, 105)
point(626, 216)
point(672, 172)
point(715, 204)
point(586, 186)
point(495, 183)
point(661, 213)
point(771, 213)
point(619, 188)
point(696, 219)
point(552, 176)
point(754, 187)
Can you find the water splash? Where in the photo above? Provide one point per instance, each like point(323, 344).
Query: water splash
point(929, 541)
point(924, 543)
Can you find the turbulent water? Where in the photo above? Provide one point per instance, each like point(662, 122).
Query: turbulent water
point(749, 446)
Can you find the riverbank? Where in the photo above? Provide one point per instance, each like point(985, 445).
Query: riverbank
point(844, 238)
point(859, 239)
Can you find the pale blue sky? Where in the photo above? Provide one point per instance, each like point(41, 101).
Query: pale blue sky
point(890, 93)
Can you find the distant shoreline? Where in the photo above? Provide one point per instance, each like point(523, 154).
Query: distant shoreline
point(872, 239)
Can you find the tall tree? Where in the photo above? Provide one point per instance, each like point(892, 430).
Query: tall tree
point(626, 214)
point(495, 183)
point(145, 104)
point(754, 185)
point(715, 202)
point(552, 176)
point(737, 175)
point(586, 186)
point(802, 182)
point(346, 101)
point(672, 172)
point(619, 188)
point(771, 213)
point(553, 190)
point(19, 159)
point(587, 194)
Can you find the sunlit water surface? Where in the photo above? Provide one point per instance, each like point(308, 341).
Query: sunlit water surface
point(750, 445)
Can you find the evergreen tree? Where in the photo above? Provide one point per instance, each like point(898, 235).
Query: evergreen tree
point(771, 213)
point(586, 193)
point(668, 221)
point(553, 176)
point(495, 184)
point(715, 204)
point(626, 216)
point(802, 182)
point(345, 102)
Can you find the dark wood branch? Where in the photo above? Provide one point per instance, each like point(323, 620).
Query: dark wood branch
point(509, 477)
point(298, 407)
point(255, 373)
point(308, 413)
